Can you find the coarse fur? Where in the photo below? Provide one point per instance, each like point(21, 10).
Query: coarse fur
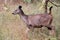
point(35, 21)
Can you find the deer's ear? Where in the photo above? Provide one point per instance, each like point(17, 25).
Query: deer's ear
point(20, 7)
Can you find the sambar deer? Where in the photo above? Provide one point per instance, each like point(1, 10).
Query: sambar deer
point(36, 21)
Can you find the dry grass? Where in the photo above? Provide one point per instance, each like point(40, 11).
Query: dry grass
point(13, 28)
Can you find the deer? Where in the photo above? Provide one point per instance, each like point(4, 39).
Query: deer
point(37, 20)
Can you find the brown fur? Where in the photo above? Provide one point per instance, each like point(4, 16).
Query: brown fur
point(36, 21)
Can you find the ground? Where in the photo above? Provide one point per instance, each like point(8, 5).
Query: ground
point(13, 28)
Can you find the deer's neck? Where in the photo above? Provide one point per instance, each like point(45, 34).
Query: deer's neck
point(21, 12)
point(23, 16)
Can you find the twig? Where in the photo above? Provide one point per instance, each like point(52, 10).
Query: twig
point(54, 4)
point(44, 34)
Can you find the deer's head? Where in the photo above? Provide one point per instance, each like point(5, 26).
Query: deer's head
point(17, 11)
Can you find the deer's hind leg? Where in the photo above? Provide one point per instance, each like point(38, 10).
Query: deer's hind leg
point(52, 30)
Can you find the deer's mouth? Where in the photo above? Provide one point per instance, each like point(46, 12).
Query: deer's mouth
point(13, 13)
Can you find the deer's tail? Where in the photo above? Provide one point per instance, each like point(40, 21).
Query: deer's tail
point(50, 9)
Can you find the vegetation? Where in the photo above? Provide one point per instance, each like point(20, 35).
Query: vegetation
point(13, 28)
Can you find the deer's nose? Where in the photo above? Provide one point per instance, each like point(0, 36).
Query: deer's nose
point(12, 13)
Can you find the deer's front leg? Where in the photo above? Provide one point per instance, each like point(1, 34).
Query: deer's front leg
point(29, 27)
